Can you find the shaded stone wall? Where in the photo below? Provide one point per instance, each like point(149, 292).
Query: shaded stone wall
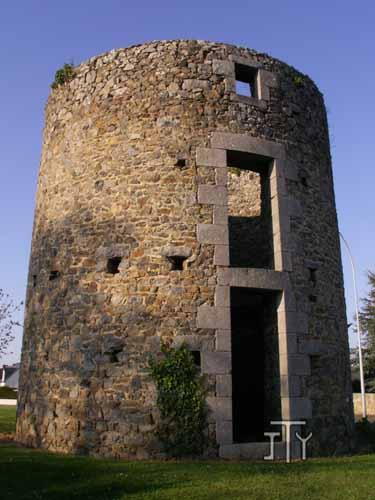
point(119, 179)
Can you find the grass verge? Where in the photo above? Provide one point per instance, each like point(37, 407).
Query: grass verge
point(7, 419)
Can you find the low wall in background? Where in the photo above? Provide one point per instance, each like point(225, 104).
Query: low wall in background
point(8, 402)
point(370, 405)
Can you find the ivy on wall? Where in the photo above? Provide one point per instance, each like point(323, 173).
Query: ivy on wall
point(181, 401)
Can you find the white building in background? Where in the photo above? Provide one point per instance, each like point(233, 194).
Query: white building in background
point(9, 375)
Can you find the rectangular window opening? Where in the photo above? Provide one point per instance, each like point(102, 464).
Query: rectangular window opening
point(249, 211)
point(246, 80)
point(54, 275)
point(255, 363)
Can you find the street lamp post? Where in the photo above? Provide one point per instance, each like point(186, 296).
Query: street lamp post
point(359, 333)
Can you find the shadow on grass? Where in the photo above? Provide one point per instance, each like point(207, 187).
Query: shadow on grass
point(30, 474)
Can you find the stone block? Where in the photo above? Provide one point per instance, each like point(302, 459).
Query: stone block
point(221, 176)
point(292, 322)
point(279, 208)
point(213, 317)
point(296, 408)
point(224, 276)
point(291, 171)
point(257, 278)
point(280, 223)
point(206, 317)
point(224, 432)
point(287, 301)
point(283, 261)
point(212, 195)
point(311, 346)
point(246, 143)
point(229, 451)
point(222, 296)
point(216, 362)
point(277, 186)
point(287, 343)
point(269, 79)
point(223, 340)
point(245, 61)
point(213, 234)
point(195, 342)
point(294, 207)
point(255, 451)
point(210, 157)
point(193, 84)
point(176, 251)
point(290, 386)
point(224, 386)
point(263, 91)
point(222, 67)
point(221, 215)
point(221, 255)
point(251, 101)
point(294, 364)
point(220, 409)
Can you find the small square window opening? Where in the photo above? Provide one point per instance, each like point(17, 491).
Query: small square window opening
point(246, 80)
point(177, 262)
point(53, 275)
point(113, 265)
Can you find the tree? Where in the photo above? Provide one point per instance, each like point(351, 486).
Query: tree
point(8, 309)
point(367, 322)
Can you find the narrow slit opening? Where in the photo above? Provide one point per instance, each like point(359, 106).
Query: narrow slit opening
point(197, 358)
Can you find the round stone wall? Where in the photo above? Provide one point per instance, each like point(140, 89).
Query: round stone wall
point(122, 254)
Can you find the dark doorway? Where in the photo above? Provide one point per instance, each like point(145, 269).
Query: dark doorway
point(255, 363)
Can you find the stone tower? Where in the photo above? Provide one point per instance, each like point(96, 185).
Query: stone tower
point(185, 194)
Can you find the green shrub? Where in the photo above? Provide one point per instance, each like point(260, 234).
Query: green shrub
point(63, 75)
point(181, 401)
point(7, 393)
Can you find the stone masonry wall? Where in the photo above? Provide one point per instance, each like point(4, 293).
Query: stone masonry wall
point(119, 179)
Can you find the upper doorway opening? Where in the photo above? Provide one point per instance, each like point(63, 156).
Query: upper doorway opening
point(249, 211)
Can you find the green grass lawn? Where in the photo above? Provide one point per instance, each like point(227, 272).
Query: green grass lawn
point(29, 474)
point(7, 419)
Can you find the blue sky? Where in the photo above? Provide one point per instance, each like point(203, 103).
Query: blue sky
point(331, 41)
